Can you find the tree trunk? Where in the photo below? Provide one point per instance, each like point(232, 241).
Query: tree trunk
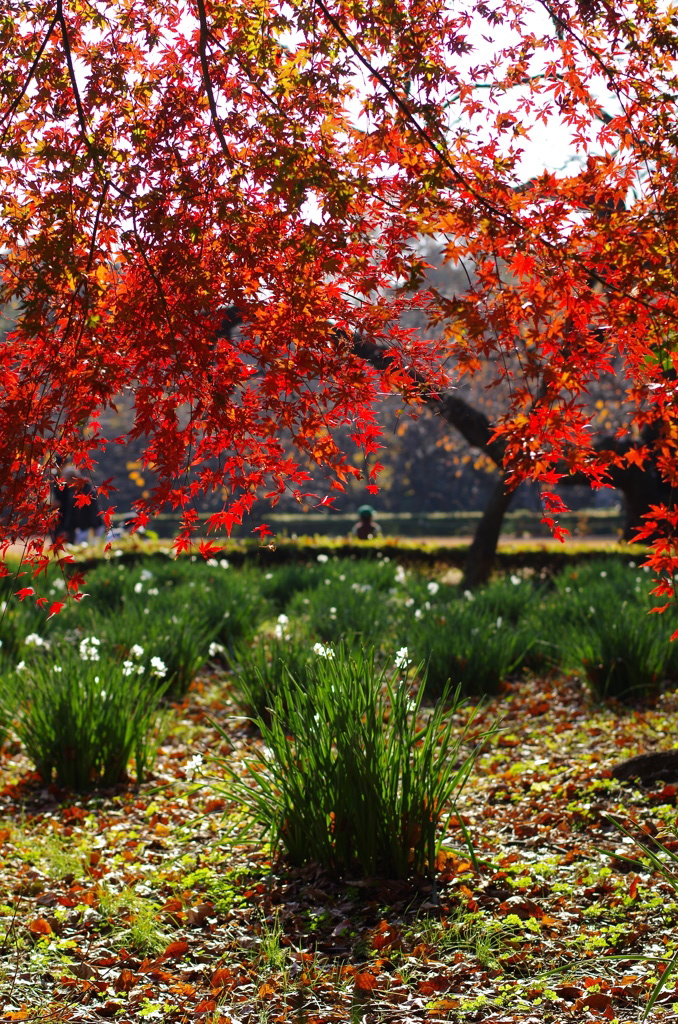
point(480, 556)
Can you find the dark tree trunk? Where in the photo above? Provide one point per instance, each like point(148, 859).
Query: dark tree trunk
point(640, 487)
point(480, 556)
point(661, 766)
point(475, 427)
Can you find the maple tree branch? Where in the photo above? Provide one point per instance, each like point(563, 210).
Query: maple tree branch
point(592, 275)
point(207, 81)
point(561, 25)
point(404, 109)
point(504, 215)
point(601, 115)
point(151, 272)
point(473, 425)
point(90, 261)
point(59, 16)
point(33, 68)
point(95, 229)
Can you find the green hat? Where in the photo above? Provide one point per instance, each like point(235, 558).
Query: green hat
point(365, 511)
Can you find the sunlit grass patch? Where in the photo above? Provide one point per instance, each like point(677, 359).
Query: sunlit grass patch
point(132, 921)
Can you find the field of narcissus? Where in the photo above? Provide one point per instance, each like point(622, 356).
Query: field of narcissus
point(239, 795)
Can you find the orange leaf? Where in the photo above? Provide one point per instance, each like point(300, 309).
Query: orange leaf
point(125, 980)
point(596, 1001)
point(40, 927)
point(364, 981)
point(206, 1006)
point(172, 906)
point(221, 976)
point(177, 949)
point(438, 983)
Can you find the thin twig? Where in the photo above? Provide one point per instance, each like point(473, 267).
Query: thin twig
point(15, 103)
point(207, 81)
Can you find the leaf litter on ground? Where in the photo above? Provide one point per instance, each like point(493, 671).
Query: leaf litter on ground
point(149, 903)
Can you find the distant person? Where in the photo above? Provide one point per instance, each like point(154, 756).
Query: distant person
point(128, 528)
point(367, 526)
point(76, 523)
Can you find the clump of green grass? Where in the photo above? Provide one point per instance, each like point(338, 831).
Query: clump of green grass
point(166, 627)
point(621, 652)
point(82, 717)
point(262, 668)
point(349, 775)
point(463, 644)
point(134, 922)
point(232, 606)
point(343, 609)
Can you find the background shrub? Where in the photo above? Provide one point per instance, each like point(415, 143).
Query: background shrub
point(464, 643)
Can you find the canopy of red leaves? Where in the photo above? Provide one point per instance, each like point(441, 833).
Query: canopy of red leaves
point(164, 164)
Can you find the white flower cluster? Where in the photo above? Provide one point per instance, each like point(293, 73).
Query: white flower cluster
point(33, 640)
point(419, 612)
point(89, 648)
point(433, 587)
point(400, 574)
point(322, 558)
point(215, 649)
point(410, 702)
point(281, 627)
point(193, 765)
point(402, 658)
point(129, 667)
point(158, 667)
point(323, 652)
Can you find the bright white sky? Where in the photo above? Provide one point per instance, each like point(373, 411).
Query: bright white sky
point(549, 146)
